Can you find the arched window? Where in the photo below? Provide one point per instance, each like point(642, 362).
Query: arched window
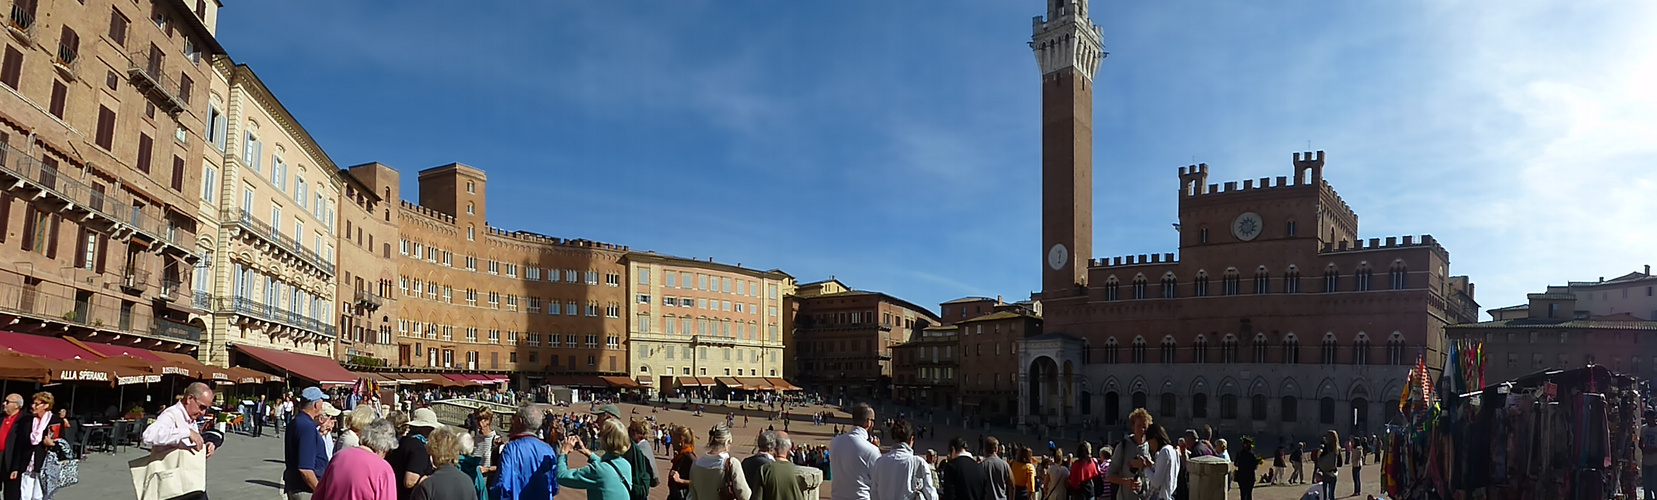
point(1231, 283)
point(1330, 349)
point(1291, 280)
point(1399, 275)
point(1262, 281)
point(1228, 349)
point(1138, 400)
point(1168, 350)
point(1257, 407)
point(1200, 286)
point(1289, 409)
point(1291, 349)
point(1112, 289)
point(1111, 350)
point(1199, 350)
point(1360, 279)
point(1326, 410)
point(1331, 279)
point(1260, 347)
point(1139, 350)
point(1169, 406)
point(1395, 349)
point(1139, 287)
point(1228, 406)
point(1199, 405)
point(1360, 349)
point(1170, 286)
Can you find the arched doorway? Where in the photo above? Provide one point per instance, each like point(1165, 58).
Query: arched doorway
point(1138, 400)
point(1046, 397)
point(1199, 405)
point(1113, 407)
point(1360, 416)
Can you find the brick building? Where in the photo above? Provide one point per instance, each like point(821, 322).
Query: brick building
point(102, 121)
point(844, 338)
point(990, 362)
point(1263, 270)
point(270, 196)
point(1634, 294)
point(699, 323)
point(926, 369)
point(368, 271)
point(479, 298)
point(1555, 330)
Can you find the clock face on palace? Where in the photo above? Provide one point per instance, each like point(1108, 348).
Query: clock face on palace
point(1058, 256)
point(1247, 226)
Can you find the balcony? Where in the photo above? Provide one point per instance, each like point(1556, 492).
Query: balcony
point(36, 180)
point(134, 280)
point(171, 291)
point(67, 62)
point(258, 229)
point(28, 309)
point(253, 309)
point(21, 23)
point(202, 301)
point(368, 300)
point(147, 74)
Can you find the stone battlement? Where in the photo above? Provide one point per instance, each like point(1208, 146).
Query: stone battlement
point(427, 212)
point(1133, 260)
point(1378, 244)
point(541, 239)
point(1308, 172)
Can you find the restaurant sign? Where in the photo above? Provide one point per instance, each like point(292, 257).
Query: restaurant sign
point(138, 379)
point(83, 375)
point(173, 370)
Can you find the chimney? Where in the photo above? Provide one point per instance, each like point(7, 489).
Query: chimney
point(1648, 269)
point(1601, 279)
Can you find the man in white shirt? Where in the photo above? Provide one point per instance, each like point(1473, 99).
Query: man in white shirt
point(899, 474)
point(853, 454)
point(176, 426)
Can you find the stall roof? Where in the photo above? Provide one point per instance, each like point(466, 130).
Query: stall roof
point(755, 384)
point(621, 382)
point(201, 370)
point(244, 375)
point(153, 362)
point(316, 368)
point(782, 385)
point(44, 346)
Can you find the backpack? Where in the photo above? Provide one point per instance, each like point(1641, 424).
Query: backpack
point(642, 480)
point(728, 490)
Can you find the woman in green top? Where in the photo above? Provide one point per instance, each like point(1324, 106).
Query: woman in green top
point(605, 478)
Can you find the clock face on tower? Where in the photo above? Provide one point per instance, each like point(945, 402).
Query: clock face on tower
point(1247, 226)
point(1058, 256)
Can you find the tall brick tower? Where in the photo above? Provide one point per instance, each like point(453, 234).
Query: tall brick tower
point(1068, 47)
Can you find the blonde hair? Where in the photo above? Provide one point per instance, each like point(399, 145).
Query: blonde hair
point(1140, 414)
point(359, 419)
point(444, 446)
point(613, 438)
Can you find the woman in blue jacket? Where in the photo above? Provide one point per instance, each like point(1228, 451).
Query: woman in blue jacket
point(605, 478)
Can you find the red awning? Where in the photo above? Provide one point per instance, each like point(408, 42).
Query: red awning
point(621, 382)
point(783, 385)
point(490, 378)
point(158, 364)
point(200, 371)
point(45, 346)
point(315, 368)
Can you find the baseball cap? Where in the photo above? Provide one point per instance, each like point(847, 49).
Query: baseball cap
point(329, 409)
point(313, 394)
point(609, 409)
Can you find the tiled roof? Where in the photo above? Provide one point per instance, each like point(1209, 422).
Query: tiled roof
point(1558, 324)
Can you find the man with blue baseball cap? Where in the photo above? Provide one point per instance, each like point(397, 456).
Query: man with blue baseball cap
point(304, 452)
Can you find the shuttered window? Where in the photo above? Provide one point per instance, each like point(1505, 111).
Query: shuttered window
point(105, 137)
point(145, 145)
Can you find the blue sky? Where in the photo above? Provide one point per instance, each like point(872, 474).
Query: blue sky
point(895, 144)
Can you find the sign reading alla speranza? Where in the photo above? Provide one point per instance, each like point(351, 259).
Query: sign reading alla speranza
point(83, 375)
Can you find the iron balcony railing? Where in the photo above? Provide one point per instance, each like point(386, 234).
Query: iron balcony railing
point(21, 21)
point(269, 233)
point(201, 300)
point(149, 75)
point(136, 278)
point(368, 299)
point(171, 289)
point(117, 208)
point(68, 310)
point(249, 307)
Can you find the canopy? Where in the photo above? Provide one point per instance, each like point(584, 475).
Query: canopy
point(154, 362)
point(686, 381)
point(644, 380)
point(44, 346)
point(244, 375)
point(314, 368)
point(756, 384)
point(621, 382)
point(23, 367)
point(782, 385)
point(198, 370)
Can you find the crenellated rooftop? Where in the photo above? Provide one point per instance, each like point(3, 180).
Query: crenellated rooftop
point(1389, 242)
point(427, 212)
point(1133, 260)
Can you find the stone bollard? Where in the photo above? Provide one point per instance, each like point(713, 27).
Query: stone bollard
point(1208, 477)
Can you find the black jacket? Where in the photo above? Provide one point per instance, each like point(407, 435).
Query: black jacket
point(963, 479)
point(750, 469)
point(20, 453)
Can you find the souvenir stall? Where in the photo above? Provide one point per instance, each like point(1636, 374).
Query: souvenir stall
point(1555, 434)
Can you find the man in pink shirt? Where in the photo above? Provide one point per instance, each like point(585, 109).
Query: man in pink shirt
point(361, 472)
point(176, 426)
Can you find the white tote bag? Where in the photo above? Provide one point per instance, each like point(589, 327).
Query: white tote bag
point(169, 473)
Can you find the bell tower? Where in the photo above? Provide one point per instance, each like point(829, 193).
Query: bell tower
point(1068, 47)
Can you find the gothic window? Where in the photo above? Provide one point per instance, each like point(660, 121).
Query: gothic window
point(1326, 410)
point(1291, 281)
point(1262, 282)
point(1139, 287)
point(1201, 285)
point(1288, 409)
point(1360, 350)
point(1330, 349)
point(1168, 350)
point(1399, 275)
point(1169, 405)
point(1231, 283)
point(1291, 349)
point(1111, 289)
point(1199, 405)
point(1257, 407)
point(1111, 350)
point(1260, 347)
point(1139, 350)
point(1395, 350)
point(1170, 287)
point(1331, 279)
point(1228, 349)
point(1228, 407)
point(1361, 279)
point(1199, 352)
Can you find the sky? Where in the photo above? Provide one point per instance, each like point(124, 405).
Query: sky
point(895, 144)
